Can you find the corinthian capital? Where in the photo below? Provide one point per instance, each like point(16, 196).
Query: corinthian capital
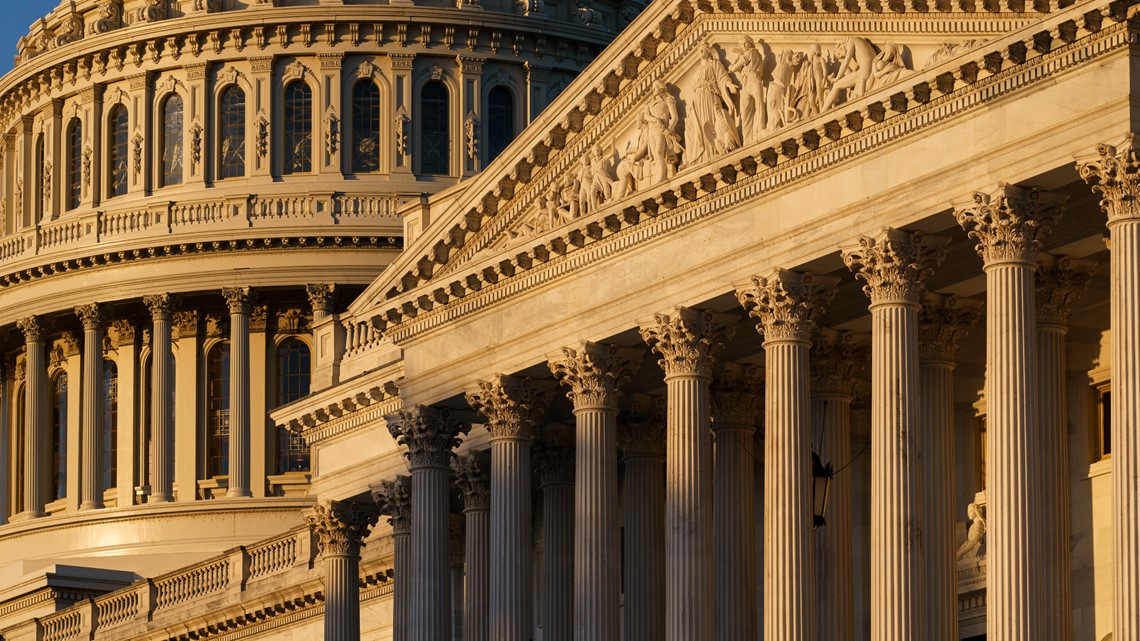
point(1115, 174)
point(161, 306)
point(894, 264)
point(642, 429)
point(1010, 223)
point(394, 498)
point(341, 526)
point(321, 296)
point(737, 396)
point(511, 405)
point(90, 315)
point(688, 340)
point(238, 299)
point(33, 328)
point(786, 302)
point(1060, 282)
point(554, 459)
point(473, 480)
point(943, 321)
point(836, 358)
point(595, 373)
point(428, 432)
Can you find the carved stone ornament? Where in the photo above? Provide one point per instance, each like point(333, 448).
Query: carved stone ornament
point(71, 29)
point(1060, 282)
point(1115, 175)
point(403, 124)
point(186, 323)
point(196, 143)
point(836, 358)
point(258, 318)
point(238, 299)
point(87, 166)
point(124, 331)
point(737, 397)
point(69, 341)
point(341, 526)
point(473, 480)
point(152, 11)
point(786, 303)
point(554, 460)
point(33, 328)
point(161, 306)
point(262, 136)
point(321, 297)
point(366, 69)
point(1010, 222)
point(688, 340)
point(332, 134)
point(511, 405)
point(209, 6)
point(429, 433)
point(293, 71)
point(642, 426)
point(894, 264)
point(90, 315)
point(943, 321)
point(137, 141)
point(595, 373)
point(394, 499)
point(110, 17)
point(471, 135)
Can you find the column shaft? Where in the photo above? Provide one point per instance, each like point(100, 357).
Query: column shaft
point(342, 597)
point(1055, 591)
point(402, 588)
point(596, 559)
point(91, 418)
point(478, 580)
point(644, 500)
point(161, 419)
point(511, 531)
point(558, 562)
point(835, 600)
point(430, 606)
point(239, 394)
point(735, 551)
point(936, 379)
point(36, 424)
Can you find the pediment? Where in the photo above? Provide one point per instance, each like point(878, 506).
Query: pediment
point(687, 95)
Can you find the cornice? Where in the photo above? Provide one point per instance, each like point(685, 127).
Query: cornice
point(331, 413)
point(919, 101)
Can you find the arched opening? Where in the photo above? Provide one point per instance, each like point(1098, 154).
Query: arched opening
point(434, 129)
point(59, 436)
point(218, 410)
point(294, 372)
point(117, 144)
point(110, 423)
point(231, 151)
point(365, 127)
point(500, 121)
point(298, 128)
point(74, 163)
point(172, 141)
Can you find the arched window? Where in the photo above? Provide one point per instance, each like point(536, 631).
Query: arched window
point(172, 141)
point(59, 436)
point(434, 117)
point(218, 411)
point(500, 121)
point(74, 163)
point(117, 143)
point(293, 376)
point(231, 158)
point(39, 207)
point(298, 128)
point(110, 424)
point(17, 452)
point(365, 127)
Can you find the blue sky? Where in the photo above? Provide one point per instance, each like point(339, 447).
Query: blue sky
point(15, 17)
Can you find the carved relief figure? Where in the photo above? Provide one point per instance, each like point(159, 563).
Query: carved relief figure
point(888, 65)
point(711, 128)
point(969, 548)
point(948, 50)
point(855, 70)
point(749, 68)
point(657, 138)
point(814, 82)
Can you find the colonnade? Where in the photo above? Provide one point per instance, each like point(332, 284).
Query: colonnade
point(685, 583)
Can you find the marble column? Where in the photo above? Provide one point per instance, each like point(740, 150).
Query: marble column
point(860, 471)
point(429, 434)
point(1060, 282)
point(942, 323)
point(238, 300)
point(341, 527)
point(474, 483)
point(1009, 224)
point(161, 420)
point(554, 462)
point(785, 303)
point(36, 419)
point(595, 375)
point(642, 438)
point(511, 406)
point(458, 543)
point(736, 391)
point(91, 417)
point(836, 358)
point(395, 500)
point(688, 342)
point(894, 265)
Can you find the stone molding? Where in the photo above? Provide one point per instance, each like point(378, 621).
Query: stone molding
point(943, 321)
point(1061, 280)
point(512, 405)
point(1115, 175)
point(341, 526)
point(394, 498)
point(786, 302)
point(894, 264)
point(342, 415)
point(429, 433)
point(595, 373)
point(473, 480)
point(1010, 222)
point(688, 340)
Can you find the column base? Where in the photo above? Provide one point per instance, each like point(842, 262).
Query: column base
point(26, 515)
point(90, 505)
point(159, 498)
point(238, 494)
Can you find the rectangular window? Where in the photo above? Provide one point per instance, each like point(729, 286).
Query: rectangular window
point(1101, 433)
point(980, 453)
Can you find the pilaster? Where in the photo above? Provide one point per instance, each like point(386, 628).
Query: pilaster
point(328, 146)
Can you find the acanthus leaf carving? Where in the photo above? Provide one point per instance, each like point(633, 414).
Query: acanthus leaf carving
point(394, 498)
point(471, 135)
point(786, 303)
point(511, 405)
point(473, 480)
point(737, 396)
point(688, 340)
point(836, 358)
point(894, 264)
point(1115, 175)
point(595, 373)
point(341, 526)
point(643, 432)
point(429, 433)
point(403, 124)
point(1060, 282)
point(943, 321)
point(1010, 222)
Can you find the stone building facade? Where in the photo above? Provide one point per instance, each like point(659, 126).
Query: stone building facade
point(583, 396)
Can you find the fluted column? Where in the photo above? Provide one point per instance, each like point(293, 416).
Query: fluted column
point(554, 459)
point(894, 264)
point(238, 300)
point(395, 500)
point(511, 406)
point(942, 322)
point(458, 545)
point(642, 438)
point(595, 374)
point(474, 482)
point(860, 472)
point(785, 303)
point(91, 417)
point(835, 360)
point(429, 434)
point(1009, 225)
point(736, 406)
point(161, 424)
point(688, 341)
point(36, 419)
point(341, 527)
point(1060, 282)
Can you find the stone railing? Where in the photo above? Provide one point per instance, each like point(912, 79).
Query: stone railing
point(359, 336)
point(235, 571)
